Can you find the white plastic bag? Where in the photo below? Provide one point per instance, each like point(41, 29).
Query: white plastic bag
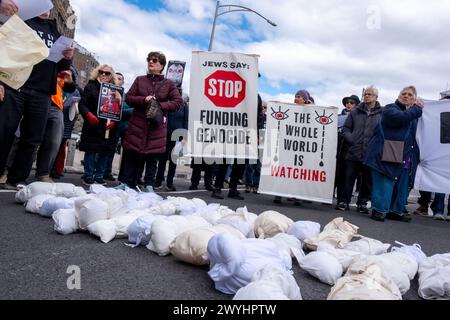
point(140, 231)
point(34, 205)
point(66, 221)
point(322, 266)
point(414, 251)
point(52, 204)
point(288, 243)
point(92, 211)
point(242, 220)
point(104, 229)
point(434, 279)
point(122, 222)
point(304, 229)
point(367, 246)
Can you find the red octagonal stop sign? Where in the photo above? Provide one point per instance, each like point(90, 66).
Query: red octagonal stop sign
point(226, 89)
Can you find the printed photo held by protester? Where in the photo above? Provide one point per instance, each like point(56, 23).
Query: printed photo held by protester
point(392, 156)
point(30, 106)
point(95, 142)
point(357, 131)
point(152, 97)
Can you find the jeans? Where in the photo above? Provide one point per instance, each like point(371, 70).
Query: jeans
point(438, 203)
point(94, 165)
point(109, 163)
point(162, 165)
point(352, 170)
point(253, 174)
point(33, 107)
point(48, 151)
point(389, 195)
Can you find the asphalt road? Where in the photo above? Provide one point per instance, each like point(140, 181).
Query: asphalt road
point(34, 259)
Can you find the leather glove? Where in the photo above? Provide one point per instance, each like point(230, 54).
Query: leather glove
point(111, 125)
point(93, 120)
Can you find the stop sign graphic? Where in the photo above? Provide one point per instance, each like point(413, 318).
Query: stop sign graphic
point(226, 89)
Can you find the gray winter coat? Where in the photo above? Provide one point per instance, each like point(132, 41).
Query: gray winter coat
point(358, 130)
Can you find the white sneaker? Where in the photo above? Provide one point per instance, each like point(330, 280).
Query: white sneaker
point(439, 217)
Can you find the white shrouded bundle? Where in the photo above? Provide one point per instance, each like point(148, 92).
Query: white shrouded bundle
point(270, 223)
point(34, 204)
point(337, 233)
point(164, 208)
point(52, 204)
point(270, 283)
point(91, 211)
point(66, 221)
point(140, 201)
point(322, 266)
point(345, 257)
point(140, 231)
point(414, 251)
point(104, 229)
point(434, 279)
point(124, 221)
point(367, 246)
point(370, 282)
point(164, 231)
point(66, 190)
point(234, 262)
point(289, 244)
point(214, 212)
point(304, 230)
point(186, 206)
point(191, 246)
point(242, 220)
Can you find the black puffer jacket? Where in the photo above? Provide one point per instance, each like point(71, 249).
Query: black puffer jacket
point(93, 138)
point(358, 130)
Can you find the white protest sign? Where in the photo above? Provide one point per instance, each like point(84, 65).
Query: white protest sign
point(433, 139)
point(223, 106)
point(56, 51)
point(300, 152)
point(30, 8)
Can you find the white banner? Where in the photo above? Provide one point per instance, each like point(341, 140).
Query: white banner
point(223, 106)
point(433, 138)
point(300, 152)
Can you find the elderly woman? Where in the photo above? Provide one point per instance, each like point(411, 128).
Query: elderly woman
point(93, 137)
point(392, 155)
point(145, 138)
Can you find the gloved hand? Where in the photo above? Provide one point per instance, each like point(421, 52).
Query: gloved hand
point(92, 119)
point(111, 125)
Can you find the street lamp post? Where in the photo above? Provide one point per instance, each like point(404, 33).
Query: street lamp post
point(231, 8)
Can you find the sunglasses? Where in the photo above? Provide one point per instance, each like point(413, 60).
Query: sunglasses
point(407, 94)
point(154, 60)
point(106, 73)
point(351, 102)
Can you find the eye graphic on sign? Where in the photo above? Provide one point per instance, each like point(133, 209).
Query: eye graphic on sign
point(280, 115)
point(324, 119)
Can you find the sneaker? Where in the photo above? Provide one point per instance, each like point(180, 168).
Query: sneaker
point(362, 208)
point(439, 216)
point(171, 188)
point(121, 186)
point(157, 185)
point(109, 177)
point(255, 190)
point(100, 181)
point(194, 188)
point(377, 216)
point(88, 181)
point(422, 210)
point(217, 194)
point(277, 200)
point(342, 206)
point(248, 189)
point(234, 194)
point(149, 189)
point(209, 187)
point(45, 179)
point(396, 217)
point(9, 186)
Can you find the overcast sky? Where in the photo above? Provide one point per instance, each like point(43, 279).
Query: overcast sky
point(333, 48)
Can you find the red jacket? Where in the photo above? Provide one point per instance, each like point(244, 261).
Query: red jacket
point(140, 137)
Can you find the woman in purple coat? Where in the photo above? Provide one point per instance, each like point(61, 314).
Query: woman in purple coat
point(144, 140)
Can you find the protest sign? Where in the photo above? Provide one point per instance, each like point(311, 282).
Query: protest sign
point(110, 102)
point(223, 106)
point(175, 72)
point(433, 139)
point(300, 152)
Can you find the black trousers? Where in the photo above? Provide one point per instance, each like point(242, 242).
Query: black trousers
point(352, 170)
point(33, 106)
point(236, 173)
point(130, 168)
point(162, 165)
point(197, 174)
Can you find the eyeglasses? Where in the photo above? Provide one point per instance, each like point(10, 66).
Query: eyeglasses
point(369, 94)
point(106, 73)
point(153, 60)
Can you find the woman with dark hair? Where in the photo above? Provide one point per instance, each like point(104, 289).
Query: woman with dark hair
point(145, 137)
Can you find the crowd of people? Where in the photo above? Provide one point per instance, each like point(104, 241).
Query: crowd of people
point(377, 149)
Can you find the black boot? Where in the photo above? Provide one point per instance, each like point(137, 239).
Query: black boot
point(234, 194)
point(217, 194)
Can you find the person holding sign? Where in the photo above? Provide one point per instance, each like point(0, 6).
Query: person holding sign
point(392, 156)
point(96, 144)
point(30, 105)
point(8, 8)
point(152, 97)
